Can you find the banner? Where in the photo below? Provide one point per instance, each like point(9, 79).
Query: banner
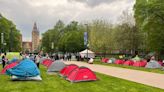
point(85, 38)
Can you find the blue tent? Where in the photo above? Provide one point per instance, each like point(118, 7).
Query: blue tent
point(26, 68)
point(13, 60)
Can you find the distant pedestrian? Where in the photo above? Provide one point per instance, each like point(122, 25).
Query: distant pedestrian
point(65, 57)
point(69, 57)
point(4, 60)
point(90, 61)
point(37, 60)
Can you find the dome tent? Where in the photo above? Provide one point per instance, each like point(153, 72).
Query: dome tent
point(11, 65)
point(11, 55)
point(25, 70)
point(56, 66)
point(67, 69)
point(81, 74)
point(47, 62)
point(42, 59)
point(105, 60)
point(119, 61)
point(141, 63)
point(128, 62)
point(136, 58)
point(153, 64)
point(13, 60)
point(111, 60)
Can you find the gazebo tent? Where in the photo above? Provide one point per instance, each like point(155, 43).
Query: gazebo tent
point(56, 66)
point(86, 52)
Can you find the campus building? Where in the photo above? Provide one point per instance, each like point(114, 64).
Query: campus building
point(33, 45)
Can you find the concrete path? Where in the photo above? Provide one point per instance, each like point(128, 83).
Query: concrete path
point(147, 78)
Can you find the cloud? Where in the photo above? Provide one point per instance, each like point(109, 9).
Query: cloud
point(93, 3)
point(47, 12)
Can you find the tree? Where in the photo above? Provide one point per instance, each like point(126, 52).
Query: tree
point(52, 37)
point(5, 27)
point(72, 40)
point(100, 36)
point(64, 38)
point(149, 17)
point(126, 34)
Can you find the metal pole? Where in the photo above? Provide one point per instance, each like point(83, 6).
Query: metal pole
point(11, 39)
point(2, 40)
point(1, 33)
point(87, 42)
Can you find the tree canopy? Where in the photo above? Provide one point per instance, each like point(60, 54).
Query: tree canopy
point(5, 27)
point(149, 17)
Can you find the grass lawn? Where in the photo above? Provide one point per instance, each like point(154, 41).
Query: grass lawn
point(54, 83)
point(131, 67)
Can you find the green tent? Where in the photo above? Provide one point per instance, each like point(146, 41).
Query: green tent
point(137, 58)
point(11, 55)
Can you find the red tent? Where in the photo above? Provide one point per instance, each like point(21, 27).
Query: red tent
point(47, 62)
point(140, 63)
point(161, 63)
point(81, 74)
point(67, 69)
point(11, 65)
point(105, 60)
point(119, 61)
point(129, 62)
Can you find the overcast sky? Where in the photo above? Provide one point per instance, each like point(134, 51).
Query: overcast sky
point(47, 12)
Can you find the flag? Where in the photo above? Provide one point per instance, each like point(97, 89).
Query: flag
point(85, 38)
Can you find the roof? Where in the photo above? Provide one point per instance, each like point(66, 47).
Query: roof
point(86, 51)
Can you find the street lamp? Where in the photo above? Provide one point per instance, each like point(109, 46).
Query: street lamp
point(2, 41)
point(11, 38)
point(87, 39)
point(2, 34)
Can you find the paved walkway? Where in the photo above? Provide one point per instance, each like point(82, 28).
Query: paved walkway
point(147, 78)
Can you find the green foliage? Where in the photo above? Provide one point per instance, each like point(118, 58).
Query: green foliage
point(71, 42)
point(104, 37)
point(5, 27)
point(100, 36)
point(126, 37)
point(64, 38)
point(150, 20)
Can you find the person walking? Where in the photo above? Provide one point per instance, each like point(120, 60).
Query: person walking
point(3, 60)
point(37, 60)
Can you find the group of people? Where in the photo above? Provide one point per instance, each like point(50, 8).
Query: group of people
point(33, 57)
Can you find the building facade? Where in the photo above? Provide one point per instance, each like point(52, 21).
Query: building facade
point(32, 46)
point(35, 38)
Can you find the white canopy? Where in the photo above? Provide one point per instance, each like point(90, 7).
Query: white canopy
point(85, 52)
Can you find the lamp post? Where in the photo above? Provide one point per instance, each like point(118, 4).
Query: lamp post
point(87, 39)
point(2, 35)
point(11, 38)
point(2, 39)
